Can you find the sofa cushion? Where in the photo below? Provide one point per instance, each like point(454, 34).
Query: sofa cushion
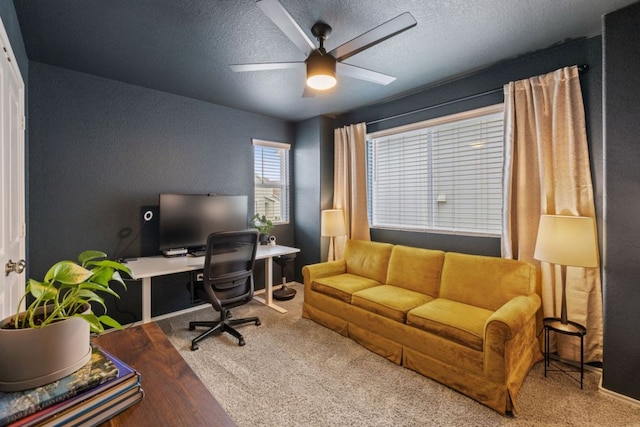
point(368, 259)
point(342, 286)
point(456, 321)
point(415, 269)
point(487, 282)
point(389, 301)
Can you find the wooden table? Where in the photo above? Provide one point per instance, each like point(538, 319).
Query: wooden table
point(174, 395)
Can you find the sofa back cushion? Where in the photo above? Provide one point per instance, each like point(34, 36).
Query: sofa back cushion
point(416, 269)
point(487, 282)
point(368, 259)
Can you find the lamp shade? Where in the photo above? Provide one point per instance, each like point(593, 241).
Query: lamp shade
point(332, 223)
point(321, 71)
point(567, 240)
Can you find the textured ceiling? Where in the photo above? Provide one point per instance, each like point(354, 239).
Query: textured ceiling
point(186, 47)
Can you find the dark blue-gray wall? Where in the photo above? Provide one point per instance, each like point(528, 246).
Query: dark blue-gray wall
point(622, 248)
point(313, 160)
point(101, 152)
point(448, 98)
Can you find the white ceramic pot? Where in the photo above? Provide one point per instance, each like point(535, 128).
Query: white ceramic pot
point(34, 357)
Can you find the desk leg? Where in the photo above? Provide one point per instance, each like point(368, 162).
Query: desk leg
point(268, 287)
point(268, 280)
point(146, 300)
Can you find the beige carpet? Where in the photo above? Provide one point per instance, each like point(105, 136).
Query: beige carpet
point(294, 372)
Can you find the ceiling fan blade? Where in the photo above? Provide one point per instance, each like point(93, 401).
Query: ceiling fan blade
point(308, 92)
point(266, 66)
point(363, 74)
point(374, 36)
point(279, 15)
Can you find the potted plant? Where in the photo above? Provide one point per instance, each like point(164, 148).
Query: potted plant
point(263, 225)
point(50, 339)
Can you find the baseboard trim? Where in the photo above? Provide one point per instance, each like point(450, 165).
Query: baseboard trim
point(179, 312)
point(617, 396)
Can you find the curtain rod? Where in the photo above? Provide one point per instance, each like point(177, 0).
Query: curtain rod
point(581, 68)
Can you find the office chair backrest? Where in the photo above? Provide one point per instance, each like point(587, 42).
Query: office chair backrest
point(228, 267)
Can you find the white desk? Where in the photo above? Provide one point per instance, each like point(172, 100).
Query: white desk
point(148, 267)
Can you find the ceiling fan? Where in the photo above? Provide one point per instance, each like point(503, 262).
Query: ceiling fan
point(322, 66)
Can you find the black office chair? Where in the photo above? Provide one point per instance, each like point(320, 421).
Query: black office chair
point(227, 281)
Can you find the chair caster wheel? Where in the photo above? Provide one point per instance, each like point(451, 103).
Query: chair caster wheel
point(194, 347)
point(191, 328)
point(241, 342)
point(258, 323)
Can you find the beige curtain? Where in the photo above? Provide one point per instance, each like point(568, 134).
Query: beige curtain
point(350, 184)
point(547, 172)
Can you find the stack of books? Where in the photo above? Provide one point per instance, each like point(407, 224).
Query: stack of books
point(102, 388)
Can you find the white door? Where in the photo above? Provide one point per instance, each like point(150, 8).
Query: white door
point(12, 216)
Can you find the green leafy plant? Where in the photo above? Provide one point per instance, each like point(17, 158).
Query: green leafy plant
point(262, 223)
point(68, 288)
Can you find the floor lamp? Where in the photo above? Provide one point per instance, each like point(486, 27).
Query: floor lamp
point(566, 241)
point(332, 225)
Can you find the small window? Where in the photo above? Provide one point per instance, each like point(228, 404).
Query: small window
point(442, 175)
point(271, 176)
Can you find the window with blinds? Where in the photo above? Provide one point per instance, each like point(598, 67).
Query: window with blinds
point(271, 177)
point(443, 175)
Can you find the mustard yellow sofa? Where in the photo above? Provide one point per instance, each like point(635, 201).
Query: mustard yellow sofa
point(466, 321)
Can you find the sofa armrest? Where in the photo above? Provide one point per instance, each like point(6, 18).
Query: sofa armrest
point(322, 269)
point(512, 316)
point(510, 337)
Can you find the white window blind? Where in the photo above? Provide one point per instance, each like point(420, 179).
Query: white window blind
point(271, 177)
point(443, 175)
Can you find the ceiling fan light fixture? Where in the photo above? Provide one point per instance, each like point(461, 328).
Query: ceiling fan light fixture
point(321, 71)
point(322, 65)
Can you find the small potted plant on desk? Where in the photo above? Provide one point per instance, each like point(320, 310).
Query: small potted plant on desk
point(51, 338)
point(264, 226)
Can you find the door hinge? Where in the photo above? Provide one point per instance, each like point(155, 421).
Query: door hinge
point(24, 123)
point(23, 230)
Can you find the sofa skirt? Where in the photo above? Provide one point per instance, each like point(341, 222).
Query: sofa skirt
point(493, 395)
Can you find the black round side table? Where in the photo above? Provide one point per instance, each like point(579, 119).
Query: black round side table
point(570, 328)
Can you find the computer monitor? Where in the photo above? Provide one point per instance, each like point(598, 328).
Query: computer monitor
point(186, 220)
